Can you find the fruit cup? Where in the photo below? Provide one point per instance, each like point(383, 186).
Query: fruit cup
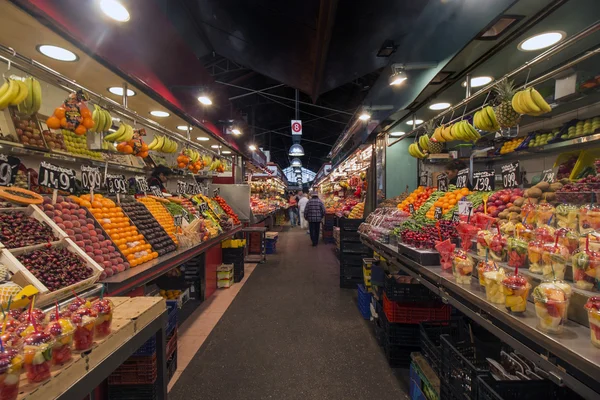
point(446, 250)
point(545, 214)
point(551, 304)
point(517, 252)
point(84, 320)
point(528, 213)
point(462, 267)
point(535, 249)
point(37, 349)
point(493, 286)
point(11, 363)
point(593, 308)
point(567, 216)
point(498, 248)
point(569, 239)
point(525, 231)
point(466, 232)
point(545, 234)
point(104, 308)
point(554, 261)
point(586, 269)
point(483, 267)
point(484, 239)
point(589, 218)
point(62, 331)
point(515, 289)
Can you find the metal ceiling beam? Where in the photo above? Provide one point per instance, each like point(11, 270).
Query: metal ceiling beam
point(289, 135)
point(265, 95)
point(325, 23)
point(255, 91)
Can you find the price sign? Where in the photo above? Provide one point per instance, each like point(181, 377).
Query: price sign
point(192, 188)
point(177, 220)
point(91, 178)
point(411, 208)
point(203, 207)
point(548, 176)
point(442, 183)
point(55, 177)
point(181, 186)
point(142, 184)
point(465, 207)
point(483, 181)
point(455, 217)
point(9, 166)
point(510, 175)
point(462, 178)
point(438, 213)
point(116, 184)
point(156, 191)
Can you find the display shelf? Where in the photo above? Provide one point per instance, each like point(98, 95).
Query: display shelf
point(128, 280)
point(569, 358)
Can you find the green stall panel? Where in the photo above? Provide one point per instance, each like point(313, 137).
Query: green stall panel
point(400, 169)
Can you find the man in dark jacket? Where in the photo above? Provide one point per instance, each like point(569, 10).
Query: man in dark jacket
point(314, 213)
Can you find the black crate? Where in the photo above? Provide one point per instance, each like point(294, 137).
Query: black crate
point(351, 271)
point(238, 277)
point(404, 335)
point(355, 248)
point(447, 394)
point(348, 224)
point(397, 356)
point(349, 236)
point(491, 389)
point(378, 331)
point(430, 332)
point(133, 392)
point(171, 366)
point(351, 259)
point(350, 282)
point(406, 292)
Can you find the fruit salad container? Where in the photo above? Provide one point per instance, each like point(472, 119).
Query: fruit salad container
point(446, 249)
point(37, 351)
point(551, 304)
point(545, 234)
point(535, 250)
point(104, 308)
point(567, 216)
point(62, 330)
point(84, 320)
point(32, 221)
point(586, 269)
point(554, 261)
point(516, 289)
point(11, 364)
point(498, 248)
point(589, 218)
point(593, 308)
point(484, 238)
point(462, 267)
point(545, 214)
point(569, 239)
point(525, 231)
point(483, 267)
point(494, 292)
point(529, 213)
point(467, 233)
point(517, 252)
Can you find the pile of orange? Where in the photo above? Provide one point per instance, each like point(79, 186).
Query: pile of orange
point(447, 201)
point(416, 198)
point(119, 228)
point(161, 214)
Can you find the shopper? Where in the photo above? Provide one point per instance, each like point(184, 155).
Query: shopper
point(159, 177)
point(452, 169)
point(301, 207)
point(293, 210)
point(314, 213)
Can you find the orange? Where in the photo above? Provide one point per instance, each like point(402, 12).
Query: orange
point(81, 130)
point(53, 122)
point(59, 112)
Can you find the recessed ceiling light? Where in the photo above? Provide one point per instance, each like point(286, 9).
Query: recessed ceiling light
point(205, 100)
point(114, 10)
point(541, 41)
point(397, 134)
point(479, 81)
point(225, 152)
point(439, 106)
point(397, 78)
point(118, 90)
point(417, 122)
point(202, 138)
point(252, 147)
point(236, 131)
point(184, 127)
point(364, 117)
point(160, 114)
point(215, 146)
point(57, 53)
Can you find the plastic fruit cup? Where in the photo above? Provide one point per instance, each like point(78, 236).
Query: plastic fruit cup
point(535, 249)
point(528, 213)
point(84, 333)
point(554, 262)
point(586, 269)
point(466, 232)
point(551, 305)
point(103, 324)
point(544, 233)
point(62, 349)
point(517, 252)
point(566, 216)
point(462, 268)
point(483, 242)
point(11, 364)
point(498, 248)
point(593, 308)
point(516, 289)
point(545, 213)
point(484, 267)
point(37, 361)
point(589, 218)
point(446, 250)
point(493, 286)
point(569, 239)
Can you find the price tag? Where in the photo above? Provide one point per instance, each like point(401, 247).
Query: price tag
point(455, 217)
point(156, 191)
point(462, 178)
point(142, 184)
point(484, 181)
point(116, 184)
point(438, 213)
point(9, 166)
point(203, 207)
point(465, 207)
point(192, 188)
point(177, 220)
point(91, 178)
point(55, 177)
point(181, 186)
point(442, 183)
point(411, 208)
point(548, 176)
point(510, 175)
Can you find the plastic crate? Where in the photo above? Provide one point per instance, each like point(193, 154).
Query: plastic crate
point(135, 371)
point(377, 275)
point(172, 344)
point(349, 236)
point(447, 394)
point(430, 333)
point(147, 349)
point(171, 365)
point(172, 316)
point(349, 282)
point(405, 292)
point(351, 272)
point(351, 259)
point(364, 302)
point(421, 381)
point(406, 335)
point(491, 389)
point(348, 224)
point(133, 392)
point(355, 248)
point(414, 313)
point(378, 331)
point(397, 356)
point(415, 392)
point(272, 250)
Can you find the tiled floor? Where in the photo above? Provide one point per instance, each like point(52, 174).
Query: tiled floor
point(197, 327)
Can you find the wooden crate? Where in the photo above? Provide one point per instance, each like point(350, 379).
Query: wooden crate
point(35, 212)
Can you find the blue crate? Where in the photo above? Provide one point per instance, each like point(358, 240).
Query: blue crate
point(147, 349)
point(172, 319)
point(364, 301)
point(270, 250)
point(415, 385)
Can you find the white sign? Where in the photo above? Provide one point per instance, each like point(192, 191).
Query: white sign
point(296, 127)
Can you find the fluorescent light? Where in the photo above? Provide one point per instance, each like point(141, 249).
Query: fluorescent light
point(479, 81)
point(397, 134)
point(202, 138)
point(417, 122)
point(252, 147)
point(114, 10)
point(397, 78)
point(236, 131)
point(215, 146)
point(57, 53)
point(184, 128)
point(160, 114)
point(205, 100)
point(225, 152)
point(118, 90)
point(364, 117)
point(439, 106)
point(541, 41)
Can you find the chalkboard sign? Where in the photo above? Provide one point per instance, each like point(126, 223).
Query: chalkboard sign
point(442, 183)
point(203, 207)
point(181, 186)
point(411, 208)
point(91, 178)
point(142, 184)
point(177, 220)
point(455, 217)
point(55, 177)
point(484, 181)
point(115, 184)
point(156, 191)
point(548, 175)
point(438, 213)
point(9, 166)
point(510, 175)
point(462, 178)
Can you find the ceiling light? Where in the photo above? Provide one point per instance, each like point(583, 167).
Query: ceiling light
point(118, 90)
point(296, 150)
point(416, 122)
point(236, 131)
point(161, 114)
point(215, 146)
point(296, 162)
point(225, 152)
point(57, 53)
point(205, 100)
point(252, 147)
point(439, 106)
point(397, 134)
point(202, 138)
point(397, 77)
point(114, 10)
point(479, 81)
point(387, 49)
point(541, 41)
point(184, 127)
point(364, 116)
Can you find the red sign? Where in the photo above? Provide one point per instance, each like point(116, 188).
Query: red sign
point(296, 127)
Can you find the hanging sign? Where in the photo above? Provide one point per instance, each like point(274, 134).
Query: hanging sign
point(484, 181)
point(55, 177)
point(442, 182)
point(462, 177)
point(510, 175)
point(548, 175)
point(296, 127)
point(9, 166)
point(91, 178)
point(115, 184)
point(142, 184)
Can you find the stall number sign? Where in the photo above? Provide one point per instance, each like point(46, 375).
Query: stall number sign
point(411, 208)
point(510, 175)
point(442, 182)
point(9, 166)
point(484, 181)
point(115, 184)
point(142, 184)
point(465, 207)
point(178, 220)
point(462, 177)
point(438, 213)
point(91, 178)
point(55, 177)
point(548, 176)
point(156, 191)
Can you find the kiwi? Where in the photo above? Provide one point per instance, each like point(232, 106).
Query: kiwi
point(543, 186)
point(534, 192)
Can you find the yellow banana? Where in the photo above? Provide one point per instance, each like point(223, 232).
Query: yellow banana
point(492, 116)
point(9, 95)
point(539, 101)
point(21, 95)
point(532, 107)
point(112, 137)
point(36, 88)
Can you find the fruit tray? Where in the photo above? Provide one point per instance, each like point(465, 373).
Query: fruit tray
point(34, 212)
point(424, 257)
point(46, 296)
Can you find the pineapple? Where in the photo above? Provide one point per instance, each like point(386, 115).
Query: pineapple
point(505, 113)
point(433, 146)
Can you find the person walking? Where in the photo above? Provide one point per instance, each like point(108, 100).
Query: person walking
point(314, 213)
point(293, 210)
point(301, 206)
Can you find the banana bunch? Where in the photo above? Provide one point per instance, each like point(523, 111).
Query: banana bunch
point(32, 103)
point(216, 165)
point(415, 151)
point(163, 144)
point(530, 102)
point(123, 134)
point(424, 142)
point(206, 160)
point(192, 154)
point(485, 119)
point(463, 130)
point(442, 133)
point(13, 92)
point(102, 119)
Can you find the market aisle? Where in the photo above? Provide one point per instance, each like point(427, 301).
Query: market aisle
point(291, 333)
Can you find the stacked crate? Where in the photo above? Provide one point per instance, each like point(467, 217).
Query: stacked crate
point(271, 242)
point(225, 276)
point(235, 256)
point(327, 228)
point(351, 253)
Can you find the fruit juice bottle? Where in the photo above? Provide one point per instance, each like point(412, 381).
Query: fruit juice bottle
point(545, 214)
point(554, 261)
point(11, 364)
point(104, 308)
point(593, 308)
point(567, 216)
point(462, 267)
point(483, 267)
point(516, 289)
point(535, 249)
point(37, 351)
point(493, 286)
point(551, 305)
point(589, 218)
